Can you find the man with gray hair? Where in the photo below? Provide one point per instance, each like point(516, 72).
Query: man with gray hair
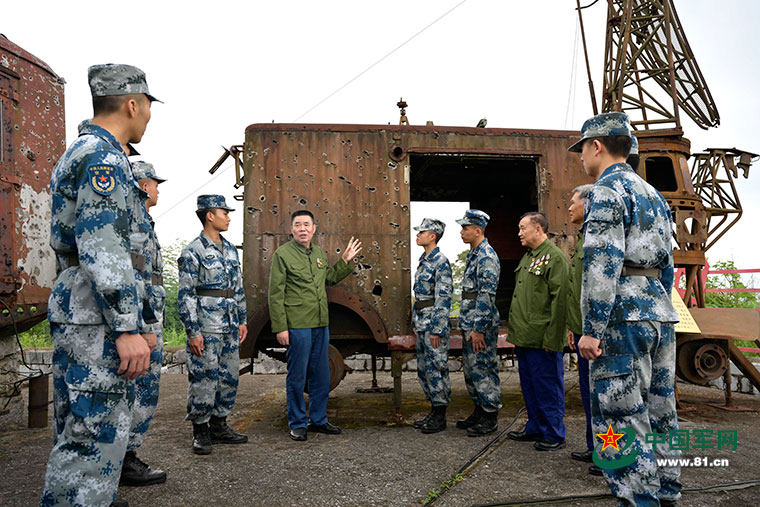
point(574, 324)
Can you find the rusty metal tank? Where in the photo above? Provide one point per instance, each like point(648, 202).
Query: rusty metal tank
point(32, 138)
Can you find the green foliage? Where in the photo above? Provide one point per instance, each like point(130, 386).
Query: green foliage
point(434, 494)
point(728, 281)
point(174, 332)
point(37, 337)
point(457, 274)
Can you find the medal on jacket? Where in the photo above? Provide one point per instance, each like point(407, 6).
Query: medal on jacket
point(319, 262)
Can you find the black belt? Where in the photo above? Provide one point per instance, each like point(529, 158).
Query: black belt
point(419, 305)
point(216, 293)
point(631, 271)
point(469, 294)
point(156, 279)
point(138, 260)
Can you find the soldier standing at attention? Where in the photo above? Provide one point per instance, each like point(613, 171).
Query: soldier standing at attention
point(433, 287)
point(479, 321)
point(136, 472)
point(627, 312)
point(537, 328)
point(95, 310)
point(575, 325)
point(298, 312)
point(211, 305)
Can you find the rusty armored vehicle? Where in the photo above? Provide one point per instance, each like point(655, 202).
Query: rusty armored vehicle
point(32, 138)
point(361, 180)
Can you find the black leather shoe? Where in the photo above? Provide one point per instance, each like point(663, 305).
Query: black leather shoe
point(201, 439)
point(595, 470)
point(522, 436)
point(488, 424)
point(326, 428)
point(135, 472)
point(298, 434)
point(668, 503)
point(585, 456)
point(223, 434)
point(548, 445)
point(471, 420)
point(437, 422)
point(420, 423)
point(119, 503)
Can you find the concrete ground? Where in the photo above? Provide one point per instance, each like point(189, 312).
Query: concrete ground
point(376, 461)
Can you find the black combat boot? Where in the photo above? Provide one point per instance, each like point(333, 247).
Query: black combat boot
point(135, 472)
point(223, 434)
point(487, 424)
point(437, 422)
point(201, 439)
point(421, 422)
point(472, 420)
point(119, 503)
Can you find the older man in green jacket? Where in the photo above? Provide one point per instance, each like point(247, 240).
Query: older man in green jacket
point(298, 312)
point(537, 319)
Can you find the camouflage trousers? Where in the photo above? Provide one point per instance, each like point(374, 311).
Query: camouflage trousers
point(213, 377)
point(93, 411)
point(632, 386)
point(481, 371)
point(146, 396)
point(433, 369)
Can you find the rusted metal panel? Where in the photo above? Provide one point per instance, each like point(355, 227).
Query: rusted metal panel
point(33, 138)
point(357, 180)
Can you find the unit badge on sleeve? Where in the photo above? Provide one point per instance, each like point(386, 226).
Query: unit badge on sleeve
point(102, 178)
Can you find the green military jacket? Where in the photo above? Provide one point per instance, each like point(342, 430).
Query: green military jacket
point(538, 311)
point(575, 281)
point(297, 296)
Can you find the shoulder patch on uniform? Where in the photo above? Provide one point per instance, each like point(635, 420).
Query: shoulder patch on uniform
point(102, 178)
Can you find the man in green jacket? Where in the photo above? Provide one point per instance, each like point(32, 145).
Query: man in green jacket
point(537, 319)
point(298, 312)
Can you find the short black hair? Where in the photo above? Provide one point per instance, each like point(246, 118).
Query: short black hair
point(539, 218)
point(617, 146)
point(201, 213)
point(633, 160)
point(111, 103)
point(301, 213)
point(438, 236)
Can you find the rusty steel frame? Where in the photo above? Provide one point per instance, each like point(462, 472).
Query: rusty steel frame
point(645, 42)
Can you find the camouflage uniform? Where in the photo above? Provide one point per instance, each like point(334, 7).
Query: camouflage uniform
point(433, 287)
point(94, 300)
point(147, 385)
point(204, 267)
point(627, 231)
point(478, 312)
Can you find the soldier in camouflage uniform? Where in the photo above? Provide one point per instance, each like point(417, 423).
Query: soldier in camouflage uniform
point(433, 287)
point(627, 312)
point(136, 472)
point(95, 308)
point(479, 321)
point(537, 318)
point(211, 305)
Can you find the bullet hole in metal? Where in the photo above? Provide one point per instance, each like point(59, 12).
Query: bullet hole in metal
point(275, 141)
point(394, 224)
point(325, 199)
point(392, 165)
point(396, 189)
point(302, 201)
point(277, 177)
point(368, 153)
point(371, 189)
point(264, 249)
point(366, 266)
point(251, 210)
point(275, 210)
point(387, 194)
point(385, 178)
point(377, 290)
point(290, 177)
point(262, 198)
point(404, 207)
point(337, 250)
point(358, 188)
point(316, 204)
point(264, 257)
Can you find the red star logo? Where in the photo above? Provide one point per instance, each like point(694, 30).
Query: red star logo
point(103, 178)
point(610, 438)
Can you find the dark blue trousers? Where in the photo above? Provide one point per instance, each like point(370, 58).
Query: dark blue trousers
point(307, 358)
point(583, 384)
point(542, 380)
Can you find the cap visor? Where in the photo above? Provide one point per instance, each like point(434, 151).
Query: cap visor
point(160, 180)
point(463, 221)
point(577, 147)
point(153, 99)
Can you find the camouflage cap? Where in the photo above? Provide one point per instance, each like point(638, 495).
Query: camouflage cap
point(634, 146)
point(210, 201)
point(117, 79)
point(603, 125)
point(432, 225)
point(474, 217)
point(142, 170)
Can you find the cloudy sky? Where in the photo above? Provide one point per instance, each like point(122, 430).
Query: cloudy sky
point(221, 66)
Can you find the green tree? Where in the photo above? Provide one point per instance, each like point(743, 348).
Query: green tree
point(728, 281)
point(174, 331)
point(457, 274)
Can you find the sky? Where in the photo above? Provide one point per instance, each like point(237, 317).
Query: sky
point(221, 66)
